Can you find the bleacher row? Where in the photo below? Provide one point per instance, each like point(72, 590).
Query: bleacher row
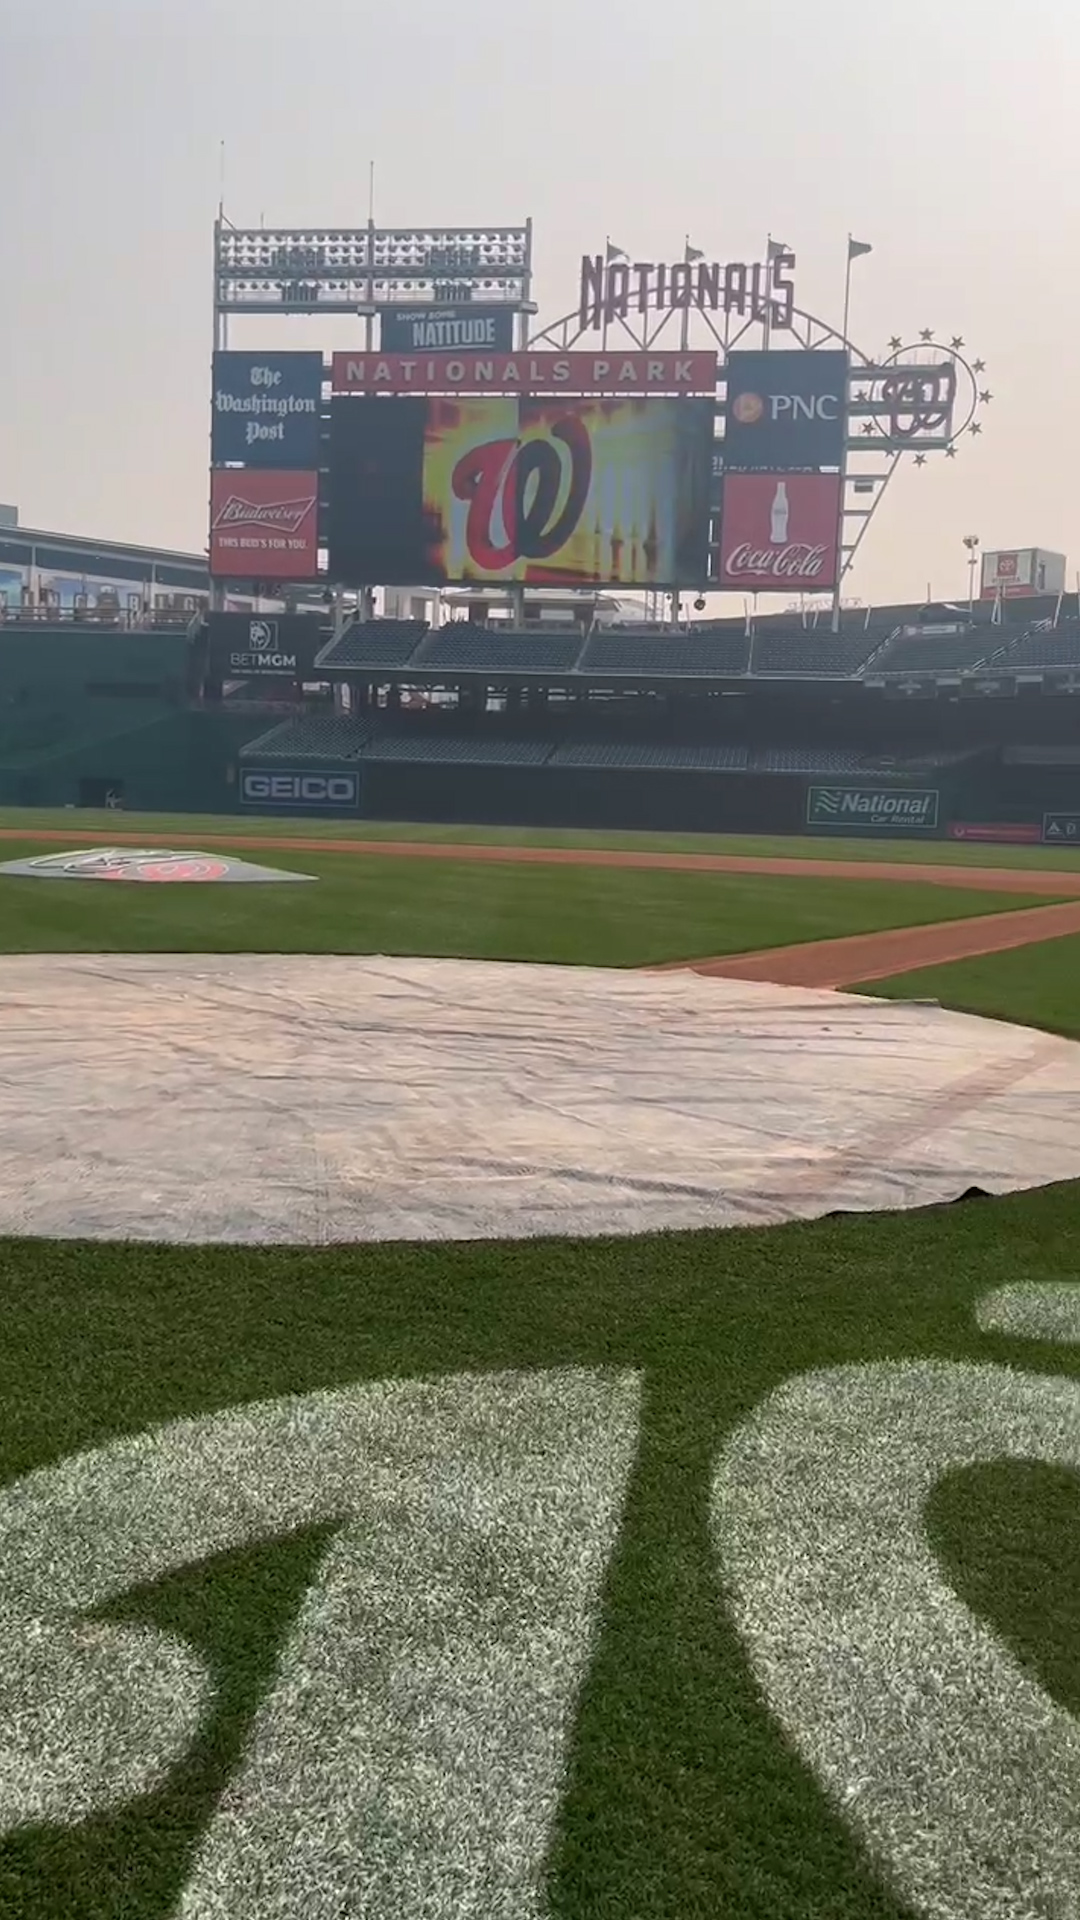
point(719, 652)
point(344, 738)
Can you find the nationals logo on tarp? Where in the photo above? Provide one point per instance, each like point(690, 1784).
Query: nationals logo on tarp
point(264, 525)
point(161, 866)
point(780, 532)
point(556, 492)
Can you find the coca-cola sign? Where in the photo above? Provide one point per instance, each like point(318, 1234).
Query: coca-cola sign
point(264, 525)
point(778, 531)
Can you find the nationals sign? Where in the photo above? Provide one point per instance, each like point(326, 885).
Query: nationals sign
point(264, 525)
point(527, 372)
point(558, 492)
point(779, 532)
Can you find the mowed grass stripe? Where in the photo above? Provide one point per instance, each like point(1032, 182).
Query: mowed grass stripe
point(574, 915)
point(1038, 986)
point(84, 823)
point(683, 1796)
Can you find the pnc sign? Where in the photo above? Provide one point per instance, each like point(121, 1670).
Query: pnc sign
point(785, 411)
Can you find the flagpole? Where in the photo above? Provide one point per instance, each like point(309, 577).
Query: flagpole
point(607, 266)
point(766, 336)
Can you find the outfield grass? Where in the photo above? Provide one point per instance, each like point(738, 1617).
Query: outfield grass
point(825, 846)
point(587, 915)
point(682, 1797)
point(1037, 986)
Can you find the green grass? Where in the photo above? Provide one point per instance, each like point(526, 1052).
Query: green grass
point(1037, 986)
point(601, 917)
point(683, 1800)
point(949, 853)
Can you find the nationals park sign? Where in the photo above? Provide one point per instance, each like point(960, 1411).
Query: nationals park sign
point(527, 372)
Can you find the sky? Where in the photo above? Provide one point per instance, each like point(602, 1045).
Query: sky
point(941, 132)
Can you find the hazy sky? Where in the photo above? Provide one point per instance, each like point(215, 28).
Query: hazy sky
point(942, 131)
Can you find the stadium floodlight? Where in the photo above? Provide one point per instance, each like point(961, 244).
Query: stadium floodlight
point(971, 542)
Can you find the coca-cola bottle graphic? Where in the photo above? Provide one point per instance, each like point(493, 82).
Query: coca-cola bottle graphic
point(778, 529)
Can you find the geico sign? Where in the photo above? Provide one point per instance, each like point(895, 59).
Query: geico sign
point(305, 789)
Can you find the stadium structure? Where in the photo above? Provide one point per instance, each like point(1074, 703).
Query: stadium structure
point(418, 560)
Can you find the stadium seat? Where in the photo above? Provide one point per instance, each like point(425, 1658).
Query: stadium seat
point(717, 654)
point(461, 750)
point(645, 756)
point(374, 643)
point(483, 650)
point(311, 736)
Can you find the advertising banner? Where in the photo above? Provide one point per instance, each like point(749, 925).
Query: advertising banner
point(527, 372)
point(254, 646)
point(889, 810)
point(779, 532)
point(556, 493)
point(1021, 573)
point(264, 525)
point(453, 329)
point(267, 409)
point(785, 410)
point(1014, 833)
point(1061, 829)
point(298, 789)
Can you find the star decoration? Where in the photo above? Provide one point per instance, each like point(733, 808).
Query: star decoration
point(978, 366)
point(868, 426)
point(863, 395)
point(920, 459)
point(986, 396)
point(927, 333)
point(975, 427)
point(950, 452)
point(956, 342)
point(896, 343)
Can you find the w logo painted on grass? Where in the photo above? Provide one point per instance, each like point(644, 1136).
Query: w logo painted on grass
point(888, 809)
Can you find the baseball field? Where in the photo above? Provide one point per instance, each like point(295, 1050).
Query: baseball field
point(732, 1574)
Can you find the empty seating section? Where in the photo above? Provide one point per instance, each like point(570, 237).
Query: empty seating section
point(937, 652)
point(461, 750)
point(1042, 647)
point(644, 756)
point(481, 650)
point(676, 653)
point(808, 760)
point(813, 650)
point(374, 643)
point(311, 736)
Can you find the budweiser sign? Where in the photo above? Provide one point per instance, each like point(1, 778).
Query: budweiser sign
point(779, 530)
point(264, 525)
point(287, 514)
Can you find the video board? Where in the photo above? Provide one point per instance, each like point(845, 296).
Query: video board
point(550, 492)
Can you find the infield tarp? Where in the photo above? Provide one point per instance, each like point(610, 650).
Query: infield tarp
point(261, 1098)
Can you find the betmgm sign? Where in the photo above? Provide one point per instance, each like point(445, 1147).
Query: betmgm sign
point(298, 790)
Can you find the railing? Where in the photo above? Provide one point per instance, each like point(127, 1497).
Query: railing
point(124, 619)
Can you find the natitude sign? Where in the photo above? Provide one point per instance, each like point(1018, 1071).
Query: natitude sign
point(779, 532)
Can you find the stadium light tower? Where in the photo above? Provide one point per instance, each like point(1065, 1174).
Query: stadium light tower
point(971, 542)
